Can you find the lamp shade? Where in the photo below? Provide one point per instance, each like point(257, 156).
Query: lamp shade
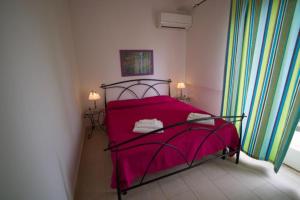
point(180, 85)
point(94, 95)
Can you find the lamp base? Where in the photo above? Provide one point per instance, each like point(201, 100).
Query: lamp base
point(181, 96)
point(95, 104)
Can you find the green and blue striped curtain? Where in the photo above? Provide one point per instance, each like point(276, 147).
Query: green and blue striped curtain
point(262, 72)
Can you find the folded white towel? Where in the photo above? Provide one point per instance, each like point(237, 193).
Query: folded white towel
point(147, 125)
point(145, 130)
point(193, 116)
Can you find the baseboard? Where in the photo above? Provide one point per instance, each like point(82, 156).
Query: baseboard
point(76, 171)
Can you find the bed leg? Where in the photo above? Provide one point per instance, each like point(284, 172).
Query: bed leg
point(224, 154)
point(238, 155)
point(240, 142)
point(119, 194)
point(238, 152)
point(118, 178)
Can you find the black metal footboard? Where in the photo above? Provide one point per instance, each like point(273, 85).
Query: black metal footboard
point(126, 145)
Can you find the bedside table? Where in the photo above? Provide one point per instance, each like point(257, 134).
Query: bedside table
point(184, 99)
point(95, 116)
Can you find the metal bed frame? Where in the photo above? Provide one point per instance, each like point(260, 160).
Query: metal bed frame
point(135, 82)
point(116, 148)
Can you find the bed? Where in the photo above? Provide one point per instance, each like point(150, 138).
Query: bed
point(182, 145)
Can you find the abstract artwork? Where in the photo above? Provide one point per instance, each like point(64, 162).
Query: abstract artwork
point(136, 62)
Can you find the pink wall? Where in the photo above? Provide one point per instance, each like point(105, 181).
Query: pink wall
point(102, 28)
point(205, 54)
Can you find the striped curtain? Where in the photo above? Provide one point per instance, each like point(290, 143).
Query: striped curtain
point(262, 72)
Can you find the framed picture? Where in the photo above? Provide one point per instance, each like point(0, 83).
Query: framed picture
point(136, 62)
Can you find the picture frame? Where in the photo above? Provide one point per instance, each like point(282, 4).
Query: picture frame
point(136, 62)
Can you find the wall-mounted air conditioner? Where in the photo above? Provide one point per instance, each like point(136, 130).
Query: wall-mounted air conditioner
point(172, 20)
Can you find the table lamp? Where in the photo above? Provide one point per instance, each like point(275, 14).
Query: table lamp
point(93, 96)
point(181, 86)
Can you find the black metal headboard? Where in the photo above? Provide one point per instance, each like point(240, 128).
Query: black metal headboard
point(136, 82)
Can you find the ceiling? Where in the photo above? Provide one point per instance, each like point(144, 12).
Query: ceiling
point(185, 6)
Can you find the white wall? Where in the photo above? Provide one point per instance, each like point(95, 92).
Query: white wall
point(205, 54)
point(102, 28)
point(40, 105)
point(292, 157)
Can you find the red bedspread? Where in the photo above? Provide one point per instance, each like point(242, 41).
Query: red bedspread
point(120, 119)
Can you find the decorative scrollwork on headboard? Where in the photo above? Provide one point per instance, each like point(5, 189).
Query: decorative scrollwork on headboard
point(133, 83)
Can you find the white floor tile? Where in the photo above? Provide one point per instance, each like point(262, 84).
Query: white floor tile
point(215, 180)
point(247, 195)
point(284, 185)
point(230, 186)
point(213, 171)
point(202, 186)
point(173, 186)
point(147, 192)
point(269, 192)
point(250, 179)
point(184, 196)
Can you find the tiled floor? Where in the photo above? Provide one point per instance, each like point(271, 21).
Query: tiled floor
point(215, 180)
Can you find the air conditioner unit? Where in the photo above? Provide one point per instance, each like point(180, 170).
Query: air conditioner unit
point(172, 20)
